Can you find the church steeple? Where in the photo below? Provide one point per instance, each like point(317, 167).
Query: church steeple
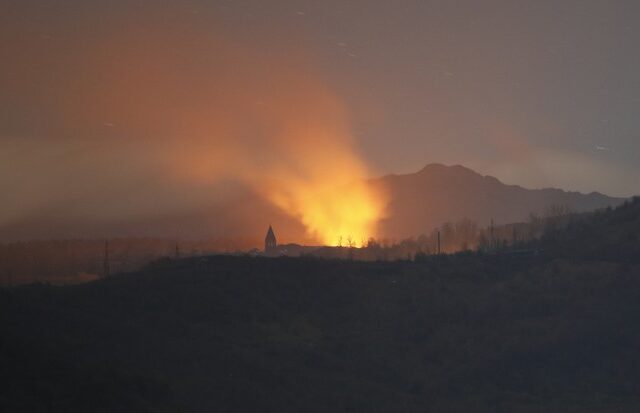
point(270, 242)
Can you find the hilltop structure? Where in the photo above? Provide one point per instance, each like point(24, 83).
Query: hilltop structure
point(270, 242)
point(273, 249)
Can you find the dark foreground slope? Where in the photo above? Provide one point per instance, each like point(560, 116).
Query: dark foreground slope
point(500, 333)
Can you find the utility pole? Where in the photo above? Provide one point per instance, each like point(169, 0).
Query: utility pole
point(177, 251)
point(438, 242)
point(493, 240)
point(105, 265)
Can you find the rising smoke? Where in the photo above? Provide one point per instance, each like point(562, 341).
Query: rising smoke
point(143, 120)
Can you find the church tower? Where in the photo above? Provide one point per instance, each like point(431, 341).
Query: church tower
point(270, 242)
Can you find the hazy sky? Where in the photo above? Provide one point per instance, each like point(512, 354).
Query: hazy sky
point(541, 93)
point(537, 93)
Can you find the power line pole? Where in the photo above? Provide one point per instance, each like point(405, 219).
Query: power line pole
point(105, 264)
point(438, 242)
point(493, 241)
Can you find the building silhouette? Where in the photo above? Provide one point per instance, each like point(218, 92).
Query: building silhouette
point(270, 242)
point(273, 249)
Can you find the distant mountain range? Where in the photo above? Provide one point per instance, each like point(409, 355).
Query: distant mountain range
point(422, 201)
point(418, 203)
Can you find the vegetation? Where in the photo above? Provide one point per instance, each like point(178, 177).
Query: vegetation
point(74, 261)
point(552, 331)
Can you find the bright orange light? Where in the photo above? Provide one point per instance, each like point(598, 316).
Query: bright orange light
point(334, 213)
point(324, 187)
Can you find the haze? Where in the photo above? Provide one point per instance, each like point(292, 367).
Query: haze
point(121, 118)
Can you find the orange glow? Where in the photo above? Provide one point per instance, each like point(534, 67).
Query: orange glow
point(188, 115)
point(334, 211)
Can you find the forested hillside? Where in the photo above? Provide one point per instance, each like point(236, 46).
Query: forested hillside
point(611, 235)
point(555, 331)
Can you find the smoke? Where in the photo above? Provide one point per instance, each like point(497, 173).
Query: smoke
point(147, 120)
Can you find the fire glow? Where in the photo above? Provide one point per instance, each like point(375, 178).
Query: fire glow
point(162, 121)
point(335, 210)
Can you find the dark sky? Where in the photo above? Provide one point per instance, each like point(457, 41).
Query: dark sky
point(540, 93)
point(537, 93)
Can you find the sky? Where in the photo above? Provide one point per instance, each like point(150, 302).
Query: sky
point(538, 93)
point(147, 101)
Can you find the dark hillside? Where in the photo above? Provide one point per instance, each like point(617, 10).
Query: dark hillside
point(607, 235)
point(481, 333)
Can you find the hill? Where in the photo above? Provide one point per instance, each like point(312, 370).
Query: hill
point(553, 332)
point(605, 235)
point(438, 194)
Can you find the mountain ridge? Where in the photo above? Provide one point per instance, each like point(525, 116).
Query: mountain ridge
point(418, 202)
point(438, 193)
point(461, 167)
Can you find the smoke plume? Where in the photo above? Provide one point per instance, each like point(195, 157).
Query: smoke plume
point(128, 125)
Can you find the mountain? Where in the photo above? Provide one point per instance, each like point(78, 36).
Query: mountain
point(551, 332)
point(424, 200)
point(418, 203)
